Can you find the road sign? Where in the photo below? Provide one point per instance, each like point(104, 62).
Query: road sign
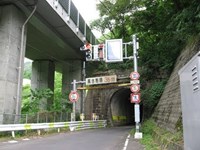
point(134, 76)
point(101, 80)
point(135, 88)
point(135, 97)
point(135, 81)
point(73, 96)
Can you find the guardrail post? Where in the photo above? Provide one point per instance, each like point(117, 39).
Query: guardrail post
point(46, 118)
point(38, 131)
point(13, 134)
point(58, 130)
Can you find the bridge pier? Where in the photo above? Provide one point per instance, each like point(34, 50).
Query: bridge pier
point(11, 21)
point(42, 78)
point(72, 70)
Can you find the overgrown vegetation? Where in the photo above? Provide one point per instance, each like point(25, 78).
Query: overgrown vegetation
point(148, 128)
point(151, 95)
point(32, 103)
point(32, 100)
point(155, 138)
point(163, 28)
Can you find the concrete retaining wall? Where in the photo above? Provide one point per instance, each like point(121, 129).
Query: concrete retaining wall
point(168, 111)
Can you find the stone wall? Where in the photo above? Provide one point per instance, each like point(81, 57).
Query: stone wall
point(98, 101)
point(168, 113)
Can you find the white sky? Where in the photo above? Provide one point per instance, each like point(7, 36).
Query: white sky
point(87, 9)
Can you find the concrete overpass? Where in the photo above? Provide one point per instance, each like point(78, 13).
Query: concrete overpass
point(51, 38)
point(49, 32)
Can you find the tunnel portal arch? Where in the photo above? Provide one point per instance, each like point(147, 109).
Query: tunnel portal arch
point(112, 105)
point(121, 110)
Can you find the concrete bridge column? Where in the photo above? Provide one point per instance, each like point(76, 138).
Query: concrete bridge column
point(72, 70)
point(11, 21)
point(42, 78)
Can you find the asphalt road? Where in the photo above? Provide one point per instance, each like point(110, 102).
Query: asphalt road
point(96, 139)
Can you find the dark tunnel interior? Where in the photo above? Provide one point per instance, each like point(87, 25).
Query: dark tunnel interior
point(122, 110)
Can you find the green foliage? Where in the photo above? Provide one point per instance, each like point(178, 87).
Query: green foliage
point(148, 128)
point(151, 96)
point(35, 100)
point(32, 99)
point(163, 28)
point(27, 70)
point(26, 95)
point(60, 102)
point(155, 138)
point(57, 104)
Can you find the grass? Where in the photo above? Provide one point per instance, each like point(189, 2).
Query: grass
point(155, 138)
point(148, 128)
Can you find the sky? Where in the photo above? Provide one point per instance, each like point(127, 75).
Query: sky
point(87, 9)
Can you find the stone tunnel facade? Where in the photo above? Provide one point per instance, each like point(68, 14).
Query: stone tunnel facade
point(110, 104)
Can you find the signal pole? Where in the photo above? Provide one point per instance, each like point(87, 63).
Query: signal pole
point(136, 106)
point(74, 103)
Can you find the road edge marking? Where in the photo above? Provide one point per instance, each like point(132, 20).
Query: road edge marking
point(126, 142)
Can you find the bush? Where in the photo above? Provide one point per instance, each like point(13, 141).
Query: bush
point(151, 96)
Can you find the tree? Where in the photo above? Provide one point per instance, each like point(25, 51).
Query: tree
point(27, 70)
point(31, 99)
point(61, 102)
point(163, 28)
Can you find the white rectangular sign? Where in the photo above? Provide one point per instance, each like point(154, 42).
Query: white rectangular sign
point(137, 113)
point(95, 52)
point(101, 80)
point(114, 50)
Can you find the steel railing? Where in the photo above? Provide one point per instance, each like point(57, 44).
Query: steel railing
point(72, 126)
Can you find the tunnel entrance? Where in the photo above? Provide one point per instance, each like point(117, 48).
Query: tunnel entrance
point(122, 111)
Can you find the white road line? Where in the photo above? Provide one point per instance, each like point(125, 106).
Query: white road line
point(126, 142)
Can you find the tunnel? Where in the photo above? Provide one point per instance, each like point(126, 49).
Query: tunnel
point(122, 110)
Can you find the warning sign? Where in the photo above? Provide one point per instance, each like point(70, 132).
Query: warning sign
point(73, 96)
point(134, 76)
point(135, 98)
point(135, 88)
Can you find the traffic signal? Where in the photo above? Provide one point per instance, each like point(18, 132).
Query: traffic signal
point(88, 50)
point(88, 55)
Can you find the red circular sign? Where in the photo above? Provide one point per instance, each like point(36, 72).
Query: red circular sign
point(134, 75)
point(135, 88)
point(73, 96)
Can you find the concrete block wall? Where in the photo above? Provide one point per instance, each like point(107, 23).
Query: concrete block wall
point(42, 78)
point(72, 70)
point(167, 113)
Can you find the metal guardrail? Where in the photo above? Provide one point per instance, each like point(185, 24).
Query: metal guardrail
point(73, 126)
point(78, 20)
